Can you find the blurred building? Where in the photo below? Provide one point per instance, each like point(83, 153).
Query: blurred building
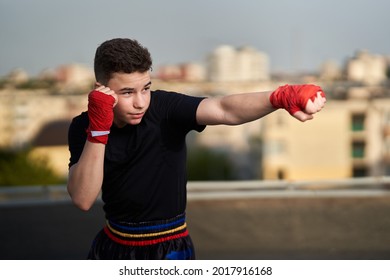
point(367, 68)
point(36, 119)
point(74, 76)
point(228, 64)
point(330, 71)
point(70, 76)
point(23, 113)
point(187, 72)
point(193, 72)
point(224, 64)
point(51, 145)
point(169, 72)
point(17, 76)
point(349, 138)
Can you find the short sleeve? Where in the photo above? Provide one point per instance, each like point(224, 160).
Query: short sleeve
point(77, 136)
point(180, 109)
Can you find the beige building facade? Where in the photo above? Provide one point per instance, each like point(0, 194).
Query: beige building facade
point(23, 113)
point(349, 138)
point(228, 64)
point(367, 68)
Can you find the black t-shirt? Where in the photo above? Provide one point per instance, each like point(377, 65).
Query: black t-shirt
point(145, 165)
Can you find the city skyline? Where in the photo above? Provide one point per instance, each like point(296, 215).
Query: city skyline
point(297, 36)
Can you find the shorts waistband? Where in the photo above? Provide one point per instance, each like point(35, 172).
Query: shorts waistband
point(146, 233)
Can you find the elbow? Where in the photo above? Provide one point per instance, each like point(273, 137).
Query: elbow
point(82, 204)
point(80, 201)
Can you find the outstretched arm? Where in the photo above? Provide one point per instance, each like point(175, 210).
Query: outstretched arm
point(301, 101)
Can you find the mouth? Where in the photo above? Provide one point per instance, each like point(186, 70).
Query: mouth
point(137, 115)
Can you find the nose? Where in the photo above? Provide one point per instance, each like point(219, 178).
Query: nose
point(139, 101)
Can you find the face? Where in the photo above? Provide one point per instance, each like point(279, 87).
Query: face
point(133, 92)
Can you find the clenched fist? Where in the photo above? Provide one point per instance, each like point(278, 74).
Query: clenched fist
point(301, 101)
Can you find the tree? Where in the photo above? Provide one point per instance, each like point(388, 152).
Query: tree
point(16, 168)
point(208, 165)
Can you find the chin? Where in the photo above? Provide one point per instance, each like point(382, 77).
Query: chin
point(135, 121)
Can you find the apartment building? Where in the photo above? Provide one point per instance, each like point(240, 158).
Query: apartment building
point(229, 64)
point(349, 138)
point(367, 68)
point(23, 113)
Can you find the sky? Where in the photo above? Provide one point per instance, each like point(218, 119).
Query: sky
point(297, 35)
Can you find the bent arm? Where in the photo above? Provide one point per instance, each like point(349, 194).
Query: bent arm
point(86, 176)
point(234, 109)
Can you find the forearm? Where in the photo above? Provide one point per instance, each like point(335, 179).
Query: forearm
point(86, 176)
point(247, 107)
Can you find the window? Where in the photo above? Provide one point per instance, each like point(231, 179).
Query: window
point(280, 174)
point(275, 147)
point(358, 148)
point(358, 122)
point(359, 172)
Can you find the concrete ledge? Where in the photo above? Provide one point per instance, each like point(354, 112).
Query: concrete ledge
point(251, 228)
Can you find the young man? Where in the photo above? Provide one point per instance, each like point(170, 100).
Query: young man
point(130, 145)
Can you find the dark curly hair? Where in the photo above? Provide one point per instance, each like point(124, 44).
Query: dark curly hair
point(120, 55)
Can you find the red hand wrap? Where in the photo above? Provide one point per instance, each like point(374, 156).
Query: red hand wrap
point(294, 98)
point(101, 116)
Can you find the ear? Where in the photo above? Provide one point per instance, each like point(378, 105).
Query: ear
point(97, 84)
